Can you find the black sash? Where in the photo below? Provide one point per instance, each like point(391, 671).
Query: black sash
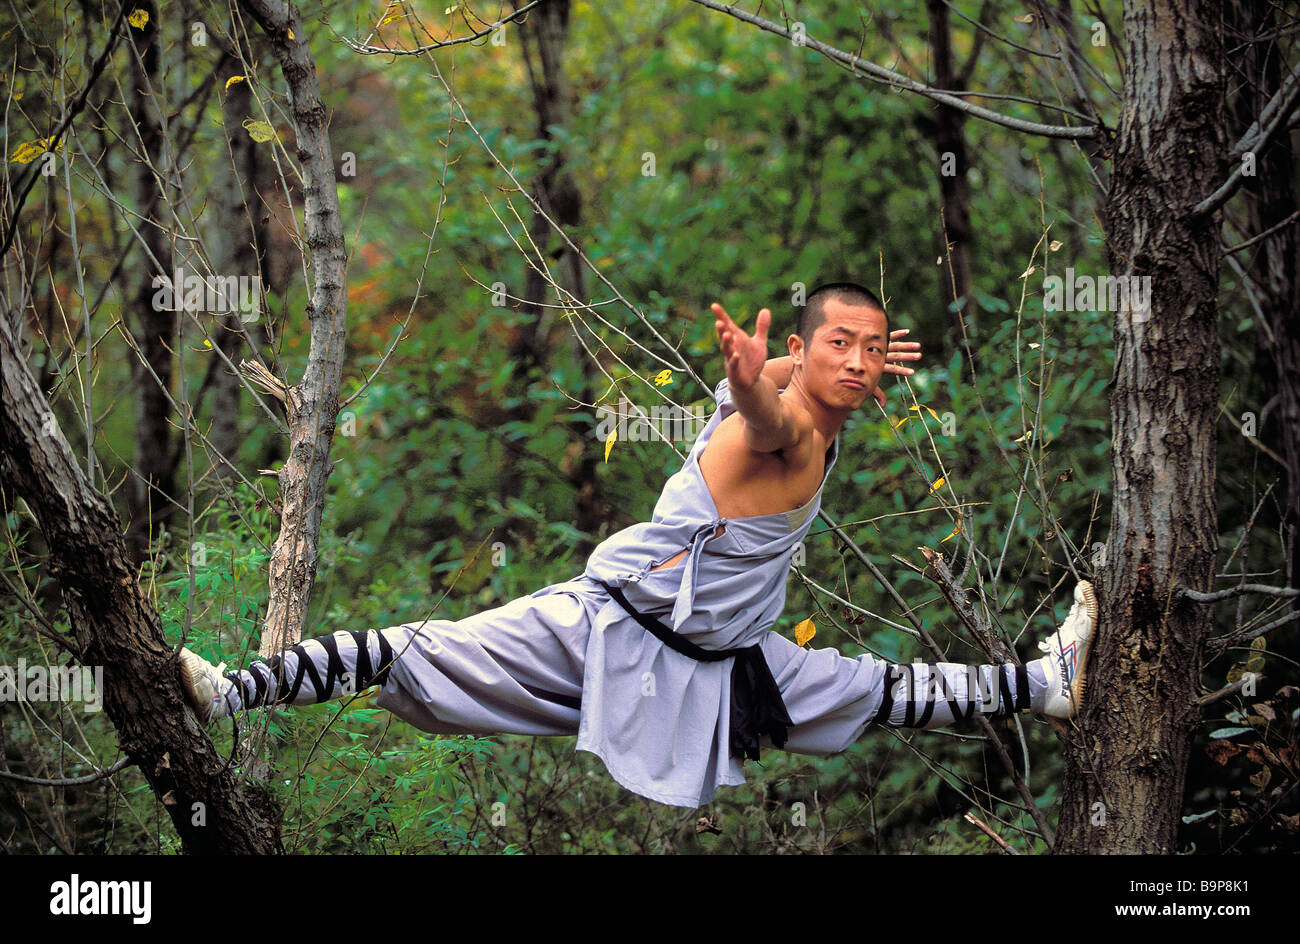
point(756, 705)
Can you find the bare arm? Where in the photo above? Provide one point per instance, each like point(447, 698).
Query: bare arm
point(779, 370)
point(770, 420)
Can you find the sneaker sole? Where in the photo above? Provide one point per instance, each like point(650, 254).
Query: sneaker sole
point(1079, 686)
point(190, 681)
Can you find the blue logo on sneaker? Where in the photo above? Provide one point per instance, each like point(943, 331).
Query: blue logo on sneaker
point(1067, 667)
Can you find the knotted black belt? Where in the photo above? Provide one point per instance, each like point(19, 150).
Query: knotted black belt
point(756, 705)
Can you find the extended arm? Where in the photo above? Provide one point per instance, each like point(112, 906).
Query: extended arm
point(770, 421)
point(779, 370)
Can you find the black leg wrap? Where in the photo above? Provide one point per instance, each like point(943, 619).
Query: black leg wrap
point(386, 659)
point(929, 697)
point(959, 712)
point(909, 706)
point(364, 672)
point(1005, 699)
point(334, 670)
point(887, 702)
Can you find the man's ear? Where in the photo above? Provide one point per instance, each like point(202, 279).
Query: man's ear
point(794, 344)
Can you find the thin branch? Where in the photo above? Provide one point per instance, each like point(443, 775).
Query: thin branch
point(897, 80)
point(368, 50)
point(1228, 690)
point(998, 36)
point(1200, 597)
point(983, 827)
point(1217, 645)
point(1264, 235)
point(69, 781)
point(1274, 116)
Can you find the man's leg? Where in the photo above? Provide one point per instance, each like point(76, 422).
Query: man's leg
point(513, 669)
point(833, 699)
point(314, 670)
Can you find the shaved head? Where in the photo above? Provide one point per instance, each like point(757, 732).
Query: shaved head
point(813, 314)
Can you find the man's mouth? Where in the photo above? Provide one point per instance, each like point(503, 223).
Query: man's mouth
point(854, 385)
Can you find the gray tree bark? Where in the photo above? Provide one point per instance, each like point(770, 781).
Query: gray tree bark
point(312, 404)
point(1127, 761)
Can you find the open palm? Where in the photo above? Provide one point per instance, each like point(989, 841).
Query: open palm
point(744, 355)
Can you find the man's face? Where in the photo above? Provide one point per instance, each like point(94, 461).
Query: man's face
point(845, 359)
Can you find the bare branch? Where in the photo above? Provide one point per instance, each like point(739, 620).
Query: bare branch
point(1274, 116)
point(1236, 639)
point(894, 79)
point(1237, 591)
point(366, 49)
point(1227, 690)
point(983, 827)
point(1227, 250)
point(69, 781)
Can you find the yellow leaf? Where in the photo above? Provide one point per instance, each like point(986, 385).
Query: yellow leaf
point(396, 14)
point(609, 442)
point(1024, 18)
point(932, 413)
point(233, 79)
point(452, 9)
point(26, 153)
point(1033, 345)
point(290, 32)
point(138, 18)
point(938, 484)
point(955, 531)
point(663, 378)
point(1055, 245)
point(804, 632)
point(1027, 434)
point(259, 131)
point(901, 422)
point(1028, 272)
point(207, 343)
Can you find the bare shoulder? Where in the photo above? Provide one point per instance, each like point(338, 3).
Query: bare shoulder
point(745, 481)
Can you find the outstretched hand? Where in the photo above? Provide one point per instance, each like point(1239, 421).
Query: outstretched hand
point(897, 352)
point(744, 356)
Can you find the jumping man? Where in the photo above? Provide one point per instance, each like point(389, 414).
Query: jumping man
point(660, 656)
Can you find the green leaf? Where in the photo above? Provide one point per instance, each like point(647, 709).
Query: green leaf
point(1228, 732)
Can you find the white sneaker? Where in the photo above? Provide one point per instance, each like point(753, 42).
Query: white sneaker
point(1067, 654)
point(204, 686)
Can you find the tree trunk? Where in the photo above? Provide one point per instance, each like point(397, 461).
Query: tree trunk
point(240, 250)
point(1126, 760)
point(543, 36)
point(153, 487)
point(313, 404)
point(115, 626)
point(954, 188)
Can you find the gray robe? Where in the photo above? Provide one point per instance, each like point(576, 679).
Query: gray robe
point(569, 660)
